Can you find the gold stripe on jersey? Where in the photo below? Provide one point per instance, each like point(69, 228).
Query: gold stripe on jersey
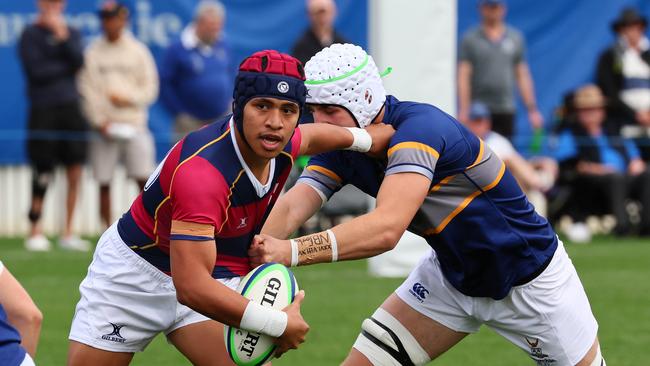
point(330, 174)
point(414, 145)
point(466, 201)
point(479, 157)
point(232, 186)
point(191, 228)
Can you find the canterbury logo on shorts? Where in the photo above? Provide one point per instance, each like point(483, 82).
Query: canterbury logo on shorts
point(419, 291)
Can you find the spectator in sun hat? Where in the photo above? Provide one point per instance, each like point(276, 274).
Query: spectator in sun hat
point(609, 167)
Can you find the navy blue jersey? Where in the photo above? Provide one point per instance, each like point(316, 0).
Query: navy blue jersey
point(487, 235)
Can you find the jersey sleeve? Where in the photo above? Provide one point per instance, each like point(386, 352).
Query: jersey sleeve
point(199, 200)
point(324, 173)
point(417, 144)
point(293, 147)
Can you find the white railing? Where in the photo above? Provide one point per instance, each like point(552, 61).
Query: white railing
point(15, 197)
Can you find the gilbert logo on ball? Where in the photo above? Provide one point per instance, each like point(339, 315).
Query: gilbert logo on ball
point(270, 284)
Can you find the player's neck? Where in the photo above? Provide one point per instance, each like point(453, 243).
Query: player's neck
point(258, 165)
point(380, 116)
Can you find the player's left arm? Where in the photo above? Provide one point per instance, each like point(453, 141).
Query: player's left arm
point(365, 236)
point(323, 137)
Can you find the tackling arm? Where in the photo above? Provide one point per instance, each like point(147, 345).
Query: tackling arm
point(322, 137)
point(378, 231)
point(292, 210)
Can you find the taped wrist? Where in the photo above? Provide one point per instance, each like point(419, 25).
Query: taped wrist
point(263, 319)
point(315, 248)
point(362, 140)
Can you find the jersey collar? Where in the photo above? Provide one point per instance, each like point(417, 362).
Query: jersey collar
point(260, 189)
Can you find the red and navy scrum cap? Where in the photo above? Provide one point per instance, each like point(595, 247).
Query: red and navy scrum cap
point(268, 73)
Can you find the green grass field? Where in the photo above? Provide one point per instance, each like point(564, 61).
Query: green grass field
point(616, 275)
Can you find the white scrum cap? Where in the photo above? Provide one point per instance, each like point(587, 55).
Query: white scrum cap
point(345, 75)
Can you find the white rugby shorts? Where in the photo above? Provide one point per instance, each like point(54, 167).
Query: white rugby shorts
point(549, 318)
point(125, 301)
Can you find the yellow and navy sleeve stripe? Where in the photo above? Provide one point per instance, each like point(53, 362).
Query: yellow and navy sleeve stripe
point(412, 156)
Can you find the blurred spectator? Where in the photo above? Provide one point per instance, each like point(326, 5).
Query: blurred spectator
point(492, 58)
point(51, 54)
point(321, 31)
point(196, 75)
point(118, 83)
point(624, 76)
point(20, 322)
point(534, 177)
point(609, 168)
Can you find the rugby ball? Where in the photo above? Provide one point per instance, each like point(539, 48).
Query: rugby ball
point(270, 284)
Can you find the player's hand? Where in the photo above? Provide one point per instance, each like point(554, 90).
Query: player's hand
point(296, 329)
point(381, 133)
point(266, 249)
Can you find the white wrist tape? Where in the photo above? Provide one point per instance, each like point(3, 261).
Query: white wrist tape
point(294, 253)
point(263, 319)
point(362, 140)
point(335, 247)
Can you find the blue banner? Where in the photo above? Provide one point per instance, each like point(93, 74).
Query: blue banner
point(564, 39)
point(251, 25)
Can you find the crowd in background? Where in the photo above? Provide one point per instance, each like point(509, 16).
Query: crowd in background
point(597, 162)
point(99, 98)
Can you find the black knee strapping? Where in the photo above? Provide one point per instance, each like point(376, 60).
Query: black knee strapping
point(33, 216)
point(41, 178)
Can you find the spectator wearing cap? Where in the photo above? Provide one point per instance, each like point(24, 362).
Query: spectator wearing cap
point(118, 84)
point(609, 168)
point(623, 74)
point(51, 55)
point(492, 60)
point(321, 32)
point(535, 176)
point(197, 72)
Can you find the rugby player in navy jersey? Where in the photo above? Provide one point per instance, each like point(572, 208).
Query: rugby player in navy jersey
point(494, 260)
point(170, 263)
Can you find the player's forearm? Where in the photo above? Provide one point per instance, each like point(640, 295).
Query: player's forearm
point(322, 137)
point(291, 211)
point(362, 237)
point(29, 328)
point(211, 298)
point(277, 224)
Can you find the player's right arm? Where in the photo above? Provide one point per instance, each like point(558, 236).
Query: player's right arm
point(192, 263)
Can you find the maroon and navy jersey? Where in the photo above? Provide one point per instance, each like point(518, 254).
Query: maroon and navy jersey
point(201, 191)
